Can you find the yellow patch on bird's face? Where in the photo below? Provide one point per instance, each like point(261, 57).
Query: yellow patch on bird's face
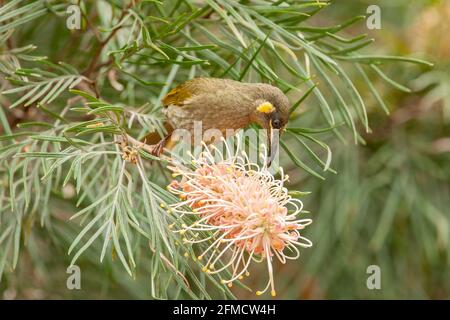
point(266, 107)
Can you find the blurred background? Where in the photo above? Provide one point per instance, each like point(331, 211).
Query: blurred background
point(388, 205)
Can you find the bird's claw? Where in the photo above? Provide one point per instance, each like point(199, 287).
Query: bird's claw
point(157, 149)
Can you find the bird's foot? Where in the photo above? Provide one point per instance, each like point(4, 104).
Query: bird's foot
point(157, 149)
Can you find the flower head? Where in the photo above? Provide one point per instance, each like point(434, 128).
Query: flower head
point(246, 214)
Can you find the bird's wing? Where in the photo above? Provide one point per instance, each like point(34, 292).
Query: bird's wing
point(154, 137)
point(178, 95)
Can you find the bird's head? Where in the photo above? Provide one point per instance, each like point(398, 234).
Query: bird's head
point(271, 112)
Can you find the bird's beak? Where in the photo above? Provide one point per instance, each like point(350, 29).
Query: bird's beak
point(272, 143)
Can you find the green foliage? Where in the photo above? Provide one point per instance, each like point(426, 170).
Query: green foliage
point(86, 93)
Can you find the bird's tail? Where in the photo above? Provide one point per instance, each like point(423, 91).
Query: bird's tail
point(155, 137)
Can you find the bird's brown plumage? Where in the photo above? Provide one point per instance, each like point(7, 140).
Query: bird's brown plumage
point(222, 104)
point(178, 95)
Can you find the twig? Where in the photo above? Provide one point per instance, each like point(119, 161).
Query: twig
point(137, 144)
point(93, 65)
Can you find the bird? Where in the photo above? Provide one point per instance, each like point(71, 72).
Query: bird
point(221, 104)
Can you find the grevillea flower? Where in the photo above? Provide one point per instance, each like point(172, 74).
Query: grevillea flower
point(241, 213)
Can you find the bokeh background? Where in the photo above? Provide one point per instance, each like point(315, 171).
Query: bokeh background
point(389, 204)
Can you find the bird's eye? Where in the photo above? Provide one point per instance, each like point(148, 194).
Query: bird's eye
point(276, 123)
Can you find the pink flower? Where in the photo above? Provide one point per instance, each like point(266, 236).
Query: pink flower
point(246, 213)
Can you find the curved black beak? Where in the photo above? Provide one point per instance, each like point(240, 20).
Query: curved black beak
point(273, 140)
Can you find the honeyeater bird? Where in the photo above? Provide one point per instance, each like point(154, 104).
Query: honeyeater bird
point(222, 104)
